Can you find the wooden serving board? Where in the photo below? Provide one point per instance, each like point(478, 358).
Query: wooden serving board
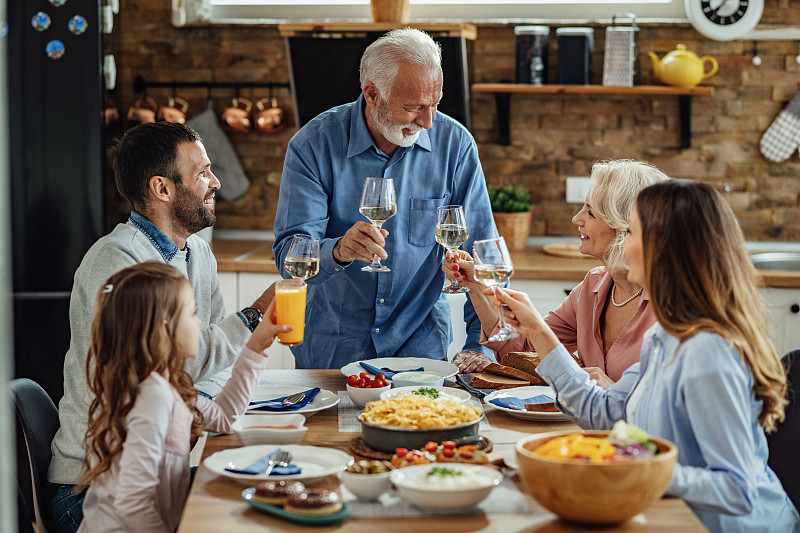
point(566, 249)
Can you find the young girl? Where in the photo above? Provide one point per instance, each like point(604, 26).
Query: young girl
point(145, 410)
point(709, 378)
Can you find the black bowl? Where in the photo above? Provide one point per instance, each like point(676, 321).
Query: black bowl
point(389, 438)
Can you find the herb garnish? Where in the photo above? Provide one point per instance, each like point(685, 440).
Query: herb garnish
point(427, 391)
point(443, 471)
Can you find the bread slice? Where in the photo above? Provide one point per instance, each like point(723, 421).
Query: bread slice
point(484, 380)
point(525, 362)
point(508, 371)
point(547, 407)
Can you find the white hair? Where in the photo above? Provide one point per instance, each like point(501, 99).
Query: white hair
point(613, 188)
point(382, 59)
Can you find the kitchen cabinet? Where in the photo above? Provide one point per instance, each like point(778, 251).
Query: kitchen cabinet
point(784, 309)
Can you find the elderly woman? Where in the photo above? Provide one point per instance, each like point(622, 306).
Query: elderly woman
point(605, 316)
point(709, 378)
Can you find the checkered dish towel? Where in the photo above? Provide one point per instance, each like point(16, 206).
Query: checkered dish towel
point(783, 135)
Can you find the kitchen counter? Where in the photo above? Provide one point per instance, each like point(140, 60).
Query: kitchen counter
point(255, 255)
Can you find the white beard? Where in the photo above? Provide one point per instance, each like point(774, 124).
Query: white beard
point(393, 133)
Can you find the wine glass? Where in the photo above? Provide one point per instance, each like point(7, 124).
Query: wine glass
point(451, 232)
point(493, 268)
point(378, 205)
point(302, 260)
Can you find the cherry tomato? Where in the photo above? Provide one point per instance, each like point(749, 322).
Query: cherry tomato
point(466, 455)
point(364, 375)
point(431, 446)
point(352, 380)
point(448, 445)
point(362, 383)
point(380, 376)
point(400, 452)
point(449, 452)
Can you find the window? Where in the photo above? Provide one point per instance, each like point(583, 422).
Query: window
point(276, 11)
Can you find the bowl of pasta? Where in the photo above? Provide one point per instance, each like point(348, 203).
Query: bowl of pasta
point(411, 421)
point(589, 477)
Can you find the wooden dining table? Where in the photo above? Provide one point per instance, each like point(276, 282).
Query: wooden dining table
point(215, 503)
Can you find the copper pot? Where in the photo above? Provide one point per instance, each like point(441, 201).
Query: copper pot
point(236, 118)
point(271, 119)
point(142, 111)
point(174, 111)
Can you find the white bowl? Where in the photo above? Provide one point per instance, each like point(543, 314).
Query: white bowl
point(445, 393)
point(411, 482)
point(366, 486)
point(361, 396)
point(247, 429)
point(418, 379)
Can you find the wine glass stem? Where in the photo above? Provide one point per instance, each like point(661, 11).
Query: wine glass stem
point(502, 321)
point(454, 284)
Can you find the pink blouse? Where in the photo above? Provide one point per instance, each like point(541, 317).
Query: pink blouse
point(576, 323)
point(146, 486)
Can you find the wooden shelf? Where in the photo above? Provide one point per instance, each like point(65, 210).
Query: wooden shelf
point(656, 90)
point(445, 29)
point(502, 95)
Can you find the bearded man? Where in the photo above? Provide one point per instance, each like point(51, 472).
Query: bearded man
point(391, 131)
point(163, 170)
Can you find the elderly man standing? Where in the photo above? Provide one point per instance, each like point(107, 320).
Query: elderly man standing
point(163, 170)
point(391, 131)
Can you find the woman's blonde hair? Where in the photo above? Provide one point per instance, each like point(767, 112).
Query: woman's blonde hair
point(132, 335)
point(700, 278)
point(612, 192)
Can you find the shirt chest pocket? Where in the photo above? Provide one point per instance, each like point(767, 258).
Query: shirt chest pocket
point(422, 222)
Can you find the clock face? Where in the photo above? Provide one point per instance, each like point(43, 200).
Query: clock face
point(724, 20)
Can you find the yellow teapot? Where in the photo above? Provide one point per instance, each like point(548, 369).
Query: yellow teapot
point(682, 68)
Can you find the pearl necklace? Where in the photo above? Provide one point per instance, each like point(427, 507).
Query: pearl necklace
point(614, 286)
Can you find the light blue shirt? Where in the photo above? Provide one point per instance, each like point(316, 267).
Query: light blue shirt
point(700, 396)
point(353, 315)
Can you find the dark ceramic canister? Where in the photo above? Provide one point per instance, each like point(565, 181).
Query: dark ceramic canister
point(575, 46)
point(532, 53)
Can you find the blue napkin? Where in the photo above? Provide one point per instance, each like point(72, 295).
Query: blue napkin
point(260, 465)
point(519, 403)
point(389, 373)
point(275, 404)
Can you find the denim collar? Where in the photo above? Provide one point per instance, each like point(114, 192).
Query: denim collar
point(165, 246)
point(361, 139)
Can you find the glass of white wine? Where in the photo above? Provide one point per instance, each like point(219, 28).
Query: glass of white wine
point(302, 260)
point(493, 267)
point(378, 204)
point(451, 232)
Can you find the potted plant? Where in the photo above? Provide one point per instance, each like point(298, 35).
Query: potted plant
point(511, 207)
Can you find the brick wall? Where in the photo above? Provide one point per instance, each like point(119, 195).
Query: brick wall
point(552, 136)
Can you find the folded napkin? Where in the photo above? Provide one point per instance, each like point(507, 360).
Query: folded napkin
point(275, 404)
point(261, 465)
point(388, 372)
point(519, 403)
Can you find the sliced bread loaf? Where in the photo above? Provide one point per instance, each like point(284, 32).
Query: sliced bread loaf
point(509, 371)
point(484, 380)
point(525, 362)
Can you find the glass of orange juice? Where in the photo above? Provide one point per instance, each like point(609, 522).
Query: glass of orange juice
point(290, 309)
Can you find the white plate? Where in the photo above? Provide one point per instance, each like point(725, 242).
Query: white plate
point(522, 393)
point(445, 393)
point(510, 459)
point(445, 368)
point(314, 462)
point(323, 400)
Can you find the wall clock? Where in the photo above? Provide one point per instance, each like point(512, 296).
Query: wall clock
point(724, 20)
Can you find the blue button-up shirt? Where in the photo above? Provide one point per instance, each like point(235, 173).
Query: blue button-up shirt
point(698, 394)
point(353, 315)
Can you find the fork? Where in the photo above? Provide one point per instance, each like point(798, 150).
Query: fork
point(288, 401)
point(282, 458)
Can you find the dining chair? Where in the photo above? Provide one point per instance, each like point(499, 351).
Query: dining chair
point(785, 442)
point(38, 417)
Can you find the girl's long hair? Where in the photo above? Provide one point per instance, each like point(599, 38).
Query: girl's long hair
point(132, 336)
point(700, 278)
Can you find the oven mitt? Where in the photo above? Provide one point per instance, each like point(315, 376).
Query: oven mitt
point(261, 465)
point(783, 135)
point(224, 162)
point(509, 402)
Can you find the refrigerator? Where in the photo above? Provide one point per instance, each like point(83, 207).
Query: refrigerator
point(57, 175)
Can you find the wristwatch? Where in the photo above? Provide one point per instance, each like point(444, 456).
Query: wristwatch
point(252, 315)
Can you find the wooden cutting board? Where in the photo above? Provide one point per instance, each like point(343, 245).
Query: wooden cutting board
point(566, 249)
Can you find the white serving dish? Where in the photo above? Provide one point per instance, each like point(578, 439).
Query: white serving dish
point(248, 434)
point(366, 486)
point(445, 368)
point(361, 396)
point(418, 379)
point(409, 481)
point(445, 393)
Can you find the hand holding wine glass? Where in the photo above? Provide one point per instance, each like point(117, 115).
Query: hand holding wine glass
point(378, 204)
point(493, 267)
point(451, 232)
point(302, 259)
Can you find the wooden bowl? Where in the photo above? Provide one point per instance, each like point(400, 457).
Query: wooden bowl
point(591, 493)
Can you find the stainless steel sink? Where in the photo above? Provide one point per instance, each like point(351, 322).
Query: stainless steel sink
point(788, 261)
